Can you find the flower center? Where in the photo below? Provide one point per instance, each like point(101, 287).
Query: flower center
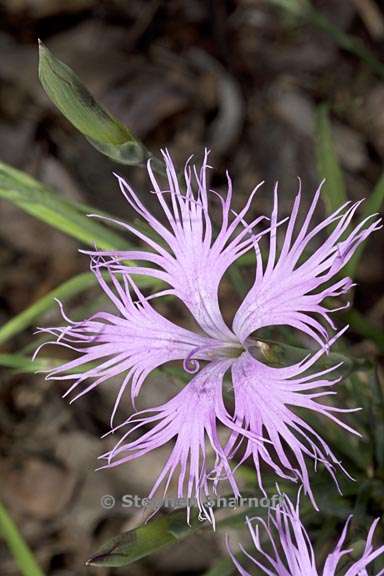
point(217, 351)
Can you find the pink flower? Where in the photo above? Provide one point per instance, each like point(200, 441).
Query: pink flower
point(192, 259)
point(292, 553)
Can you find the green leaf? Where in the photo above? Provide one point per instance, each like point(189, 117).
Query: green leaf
point(328, 164)
point(66, 290)
point(371, 206)
point(63, 292)
point(17, 546)
point(101, 129)
point(45, 204)
point(19, 363)
point(163, 531)
point(135, 544)
point(24, 364)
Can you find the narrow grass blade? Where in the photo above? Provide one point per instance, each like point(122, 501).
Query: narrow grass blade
point(46, 205)
point(22, 364)
point(101, 129)
point(66, 290)
point(305, 11)
point(328, 164)
point(373, 204)
point(347, 42)
point(23, 556)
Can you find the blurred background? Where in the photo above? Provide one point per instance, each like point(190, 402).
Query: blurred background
point(244, 78)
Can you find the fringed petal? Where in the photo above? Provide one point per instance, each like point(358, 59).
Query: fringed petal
point(194, 260)
point(292, 553)
point(291, 288)
point(190, 421)
point(265, 400)
point(132, 343)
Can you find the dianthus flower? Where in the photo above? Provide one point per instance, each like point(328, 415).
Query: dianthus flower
point(292, 553)
point(190, 257)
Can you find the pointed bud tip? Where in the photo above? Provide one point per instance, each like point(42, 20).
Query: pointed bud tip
point(43, 52)
point(97, 560)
